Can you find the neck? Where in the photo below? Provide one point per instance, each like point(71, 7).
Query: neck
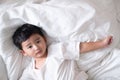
point(40, 61)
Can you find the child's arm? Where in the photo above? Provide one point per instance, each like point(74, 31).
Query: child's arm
point(90, 46)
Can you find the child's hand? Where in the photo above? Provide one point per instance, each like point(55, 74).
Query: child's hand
point(107, 41)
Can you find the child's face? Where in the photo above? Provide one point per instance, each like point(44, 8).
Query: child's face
point(34, 47)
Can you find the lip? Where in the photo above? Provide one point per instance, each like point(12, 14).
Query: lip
point(39, 52)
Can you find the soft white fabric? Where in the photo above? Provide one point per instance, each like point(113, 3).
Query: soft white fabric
point(76, 20)
point(3, 71)
point(117, 5)
point(108, 68)
point(39, 15)
point(21, 1)
point(59, 65)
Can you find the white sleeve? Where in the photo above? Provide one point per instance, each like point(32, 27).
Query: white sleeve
point(65, 50)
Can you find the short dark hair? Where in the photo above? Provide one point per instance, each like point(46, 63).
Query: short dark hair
point(24, 32)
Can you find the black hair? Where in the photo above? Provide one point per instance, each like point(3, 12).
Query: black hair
point(24, 32)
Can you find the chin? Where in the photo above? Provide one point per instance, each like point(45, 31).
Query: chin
point(39, 55)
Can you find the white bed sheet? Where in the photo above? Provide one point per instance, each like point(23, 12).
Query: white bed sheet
point(63, 20)
point(3, 74)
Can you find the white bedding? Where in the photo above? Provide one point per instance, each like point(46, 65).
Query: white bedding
point(81, 20)
point(3, 74)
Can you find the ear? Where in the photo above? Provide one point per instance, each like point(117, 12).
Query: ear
point(23, 52)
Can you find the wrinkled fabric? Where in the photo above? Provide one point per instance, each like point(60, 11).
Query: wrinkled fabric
point(75, 20)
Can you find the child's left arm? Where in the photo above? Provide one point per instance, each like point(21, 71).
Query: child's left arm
point(90, 46)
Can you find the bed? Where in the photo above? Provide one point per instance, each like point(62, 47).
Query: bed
point(76, 20)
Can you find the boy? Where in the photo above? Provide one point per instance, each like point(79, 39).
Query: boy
point(56, 61)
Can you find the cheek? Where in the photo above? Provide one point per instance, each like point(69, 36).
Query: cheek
point(45, 45)
point(28, 52)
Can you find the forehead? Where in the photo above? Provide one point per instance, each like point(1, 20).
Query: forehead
point(32, 38)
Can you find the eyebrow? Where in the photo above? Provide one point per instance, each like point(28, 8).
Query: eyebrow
point(27, 44)
point(37, 38)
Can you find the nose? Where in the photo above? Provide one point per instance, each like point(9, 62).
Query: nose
point(36, 47)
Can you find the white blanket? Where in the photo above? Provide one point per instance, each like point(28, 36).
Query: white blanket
point(81, 20)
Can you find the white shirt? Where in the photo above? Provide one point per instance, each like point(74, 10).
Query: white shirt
point(59, 65)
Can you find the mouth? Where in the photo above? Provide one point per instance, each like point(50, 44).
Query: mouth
point(39, 52)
